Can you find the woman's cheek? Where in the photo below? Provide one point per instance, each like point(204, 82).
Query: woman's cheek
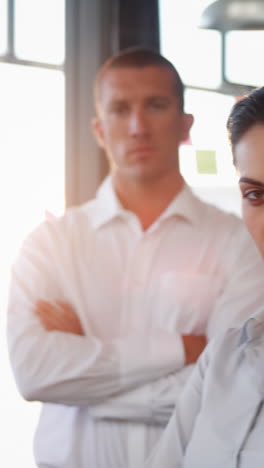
point(254, 221)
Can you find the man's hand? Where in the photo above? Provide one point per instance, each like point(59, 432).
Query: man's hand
point(194, 346)
point(58, 316)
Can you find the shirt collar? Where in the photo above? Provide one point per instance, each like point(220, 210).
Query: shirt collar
point(252, 337)
point(108, 207)
point(185, 205)
point(251, 330)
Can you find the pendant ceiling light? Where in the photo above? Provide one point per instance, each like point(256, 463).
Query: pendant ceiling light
point(232, 15)
point(226, 15)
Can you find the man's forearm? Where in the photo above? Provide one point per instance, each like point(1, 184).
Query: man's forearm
point(150, 404)
point(67, 368)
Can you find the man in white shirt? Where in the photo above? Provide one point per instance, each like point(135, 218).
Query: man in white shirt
point(112, 304)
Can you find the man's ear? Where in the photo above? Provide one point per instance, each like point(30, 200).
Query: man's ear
point(98, 131)
point(187, 123)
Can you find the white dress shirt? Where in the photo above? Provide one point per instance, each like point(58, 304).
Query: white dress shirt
point(218, 421)
point(108, 395)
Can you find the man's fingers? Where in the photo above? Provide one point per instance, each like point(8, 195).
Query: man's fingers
point(49, 317)
point(66, 307)
point(194, 346)
point(44, 307)
point(73, 319)
point(59, 316)
point(49, 323)
point(49, 314)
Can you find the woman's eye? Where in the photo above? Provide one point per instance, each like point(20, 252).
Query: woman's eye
point(255, 197)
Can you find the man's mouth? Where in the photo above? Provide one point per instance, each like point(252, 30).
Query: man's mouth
point(140, 149)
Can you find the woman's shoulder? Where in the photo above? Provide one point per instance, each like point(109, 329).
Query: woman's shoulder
point(229, 350)
point(236, 337)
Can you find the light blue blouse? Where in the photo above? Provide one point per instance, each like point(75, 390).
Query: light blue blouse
point(218, 421)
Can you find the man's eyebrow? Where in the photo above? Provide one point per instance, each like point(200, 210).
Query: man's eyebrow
point(117, 99)
point(158, 96)
point(247, 180)
point(117, 102)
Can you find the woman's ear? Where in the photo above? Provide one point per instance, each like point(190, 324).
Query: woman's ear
point(98, 131)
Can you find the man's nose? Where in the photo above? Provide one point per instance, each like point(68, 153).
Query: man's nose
point(138, 124)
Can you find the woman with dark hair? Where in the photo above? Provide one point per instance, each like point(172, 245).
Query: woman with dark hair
point(218, 421)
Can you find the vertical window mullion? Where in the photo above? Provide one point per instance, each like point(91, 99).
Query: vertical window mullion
point(11, 28)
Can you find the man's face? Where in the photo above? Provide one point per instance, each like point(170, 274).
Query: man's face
point(140, 125)
point(249, 156)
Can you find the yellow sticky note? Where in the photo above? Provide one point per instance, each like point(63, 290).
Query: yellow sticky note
point(206, 162)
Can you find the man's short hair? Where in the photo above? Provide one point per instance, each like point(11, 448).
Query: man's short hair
point(139, 57)
point(245, 113)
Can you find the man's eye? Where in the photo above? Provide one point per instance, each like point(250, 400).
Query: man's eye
point(158, 104)
point(119, 110)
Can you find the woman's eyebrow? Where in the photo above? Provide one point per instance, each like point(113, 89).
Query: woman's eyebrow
point(247, 180)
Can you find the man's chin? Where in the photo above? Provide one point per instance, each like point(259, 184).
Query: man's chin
point(142, 175)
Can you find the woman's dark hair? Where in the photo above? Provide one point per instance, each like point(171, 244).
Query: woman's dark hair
point(244, 114)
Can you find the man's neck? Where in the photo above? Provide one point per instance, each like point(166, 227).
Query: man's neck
point(147, 199)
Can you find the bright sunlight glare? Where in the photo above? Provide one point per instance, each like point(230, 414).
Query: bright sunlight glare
point(31, 185)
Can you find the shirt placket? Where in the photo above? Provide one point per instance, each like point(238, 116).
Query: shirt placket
point(138, 275)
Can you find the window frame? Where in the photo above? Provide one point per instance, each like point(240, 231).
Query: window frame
point(9, 56)
point(89, 39)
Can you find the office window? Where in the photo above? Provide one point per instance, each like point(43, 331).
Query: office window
point(209, 161)
point(39, 30)
point(244, 52)
point(205, 160)
point(32, 167)
point(3, 26)
point(196, 53)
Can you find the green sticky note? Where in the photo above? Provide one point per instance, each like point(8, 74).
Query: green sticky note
point(206, 162)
